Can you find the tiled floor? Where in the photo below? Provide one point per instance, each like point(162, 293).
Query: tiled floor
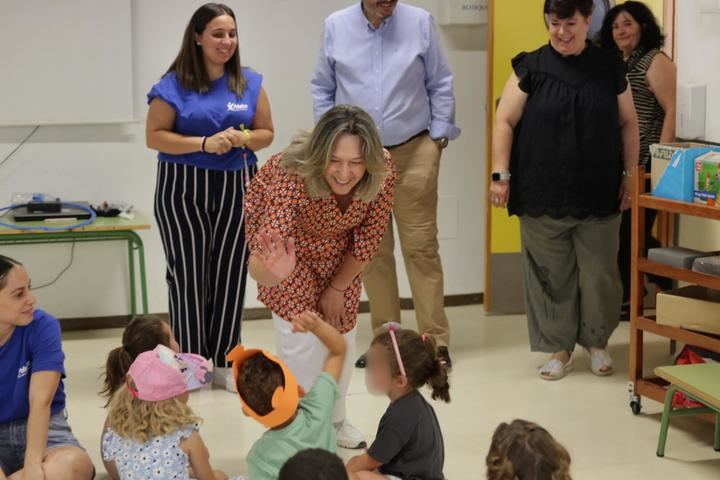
point(494, 380)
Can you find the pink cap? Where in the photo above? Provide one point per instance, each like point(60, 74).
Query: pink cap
point(162, 374)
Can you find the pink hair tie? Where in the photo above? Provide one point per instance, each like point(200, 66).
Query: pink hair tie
point(392, 328)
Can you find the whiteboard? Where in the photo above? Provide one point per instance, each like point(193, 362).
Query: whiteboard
point(65, 62)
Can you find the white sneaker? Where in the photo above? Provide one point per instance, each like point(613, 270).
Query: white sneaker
point(349, 437)
point(223, 378)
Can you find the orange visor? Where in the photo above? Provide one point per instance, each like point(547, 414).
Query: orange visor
point(285, 399)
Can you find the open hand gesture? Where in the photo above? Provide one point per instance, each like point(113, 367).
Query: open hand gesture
point(277, 256)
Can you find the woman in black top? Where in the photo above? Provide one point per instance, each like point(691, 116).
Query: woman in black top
point(631, 30)
point(564, 124)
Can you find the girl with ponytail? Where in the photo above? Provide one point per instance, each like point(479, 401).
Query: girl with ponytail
point(409, 442)
point(142, 334)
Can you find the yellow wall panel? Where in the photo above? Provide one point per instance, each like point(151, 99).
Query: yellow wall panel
point(518, 26)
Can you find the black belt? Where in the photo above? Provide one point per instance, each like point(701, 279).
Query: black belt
point(419, 134)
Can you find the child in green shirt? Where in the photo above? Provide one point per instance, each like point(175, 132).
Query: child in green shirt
point(270, 394)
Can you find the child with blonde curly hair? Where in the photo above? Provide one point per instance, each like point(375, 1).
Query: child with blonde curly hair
point(152, 432)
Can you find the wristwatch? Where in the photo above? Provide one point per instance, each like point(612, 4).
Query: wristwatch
point(443, 142)
point(501, 176)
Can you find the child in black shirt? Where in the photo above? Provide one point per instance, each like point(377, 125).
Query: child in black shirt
point(409, 444)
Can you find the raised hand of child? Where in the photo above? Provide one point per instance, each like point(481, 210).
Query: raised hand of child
point(277, 256)
point(306, 322)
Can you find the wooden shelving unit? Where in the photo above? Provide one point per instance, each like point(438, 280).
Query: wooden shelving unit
point(653, 387)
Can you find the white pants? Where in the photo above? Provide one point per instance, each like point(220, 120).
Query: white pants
point(305, 356)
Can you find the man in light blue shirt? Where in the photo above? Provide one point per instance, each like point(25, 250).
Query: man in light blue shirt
point(391, 65)
point(385, 57)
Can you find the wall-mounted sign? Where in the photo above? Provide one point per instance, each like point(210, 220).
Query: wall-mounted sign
point(463, 12)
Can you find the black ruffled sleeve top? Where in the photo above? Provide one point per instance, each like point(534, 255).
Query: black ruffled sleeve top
point(566, 157)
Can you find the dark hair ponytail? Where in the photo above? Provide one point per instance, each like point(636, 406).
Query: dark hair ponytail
point(422, 365)
point(6, 264)
point(142, 334)
point(116, 367)
point(438, 379)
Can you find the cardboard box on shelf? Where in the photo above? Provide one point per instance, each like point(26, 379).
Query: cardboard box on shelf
point(673, 166)
point(707, 179)
point(660, 155)
point(693, 308)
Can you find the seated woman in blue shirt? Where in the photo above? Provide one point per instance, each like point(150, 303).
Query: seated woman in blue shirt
point(35, 439)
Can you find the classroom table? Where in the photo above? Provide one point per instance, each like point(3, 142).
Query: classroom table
point(101, 230)
point(699, 382)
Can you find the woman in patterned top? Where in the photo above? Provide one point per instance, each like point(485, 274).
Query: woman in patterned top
point(631, 30)
point(315, 215)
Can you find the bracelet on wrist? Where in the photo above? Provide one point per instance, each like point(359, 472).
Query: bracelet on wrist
point(335, 288)
point(627, 173)
point(247, 134)
point(202, 145)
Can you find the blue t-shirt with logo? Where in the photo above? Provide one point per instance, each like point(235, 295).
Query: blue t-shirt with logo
point(205, 114)
point(35, 347)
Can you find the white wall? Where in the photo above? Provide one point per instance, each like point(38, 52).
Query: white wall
point(280, 39)
point(698, 59)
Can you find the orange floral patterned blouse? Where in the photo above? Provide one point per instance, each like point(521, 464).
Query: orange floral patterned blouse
point(277, 200)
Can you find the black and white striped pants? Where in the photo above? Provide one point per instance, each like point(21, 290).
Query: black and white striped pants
point(201, 218)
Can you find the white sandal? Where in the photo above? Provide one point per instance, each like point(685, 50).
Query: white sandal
point(601, 363)
point(554, 369)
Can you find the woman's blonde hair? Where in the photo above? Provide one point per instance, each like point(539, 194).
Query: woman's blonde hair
point(525, 450)
point(139, 420)
point(308, 156)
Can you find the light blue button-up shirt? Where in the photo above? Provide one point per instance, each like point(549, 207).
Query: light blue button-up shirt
point(600, 9)
point(397, 73)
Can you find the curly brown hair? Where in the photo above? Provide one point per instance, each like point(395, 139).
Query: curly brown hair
point(524, 450)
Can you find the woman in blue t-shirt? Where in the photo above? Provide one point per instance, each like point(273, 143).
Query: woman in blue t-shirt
point(207, 118)
point(35, 438)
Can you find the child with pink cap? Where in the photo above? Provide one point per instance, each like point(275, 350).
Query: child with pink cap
point(152, 431)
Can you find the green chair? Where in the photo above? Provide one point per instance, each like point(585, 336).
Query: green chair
point(701, 383)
